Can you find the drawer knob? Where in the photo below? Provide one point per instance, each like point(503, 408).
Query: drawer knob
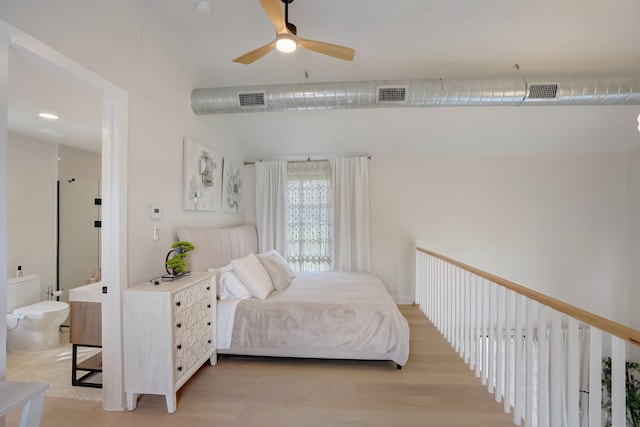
point(178, 304)
point(179, 368)
point(179, 325)
point(179, 346)
point(208, 305)
point(209, 341)
point(208, 288)
point(208, 323)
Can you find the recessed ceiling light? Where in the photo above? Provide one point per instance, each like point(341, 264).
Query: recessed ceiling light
point(48, 116)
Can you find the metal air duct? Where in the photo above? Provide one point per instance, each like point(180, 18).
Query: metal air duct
point(417, 93)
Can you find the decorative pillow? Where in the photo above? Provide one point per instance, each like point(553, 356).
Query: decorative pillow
point(277, 271)
point(218, 275)
point(232, 287)
point(279, 256)
point(250, 270)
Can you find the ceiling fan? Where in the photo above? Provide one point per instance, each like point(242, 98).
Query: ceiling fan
point(287, 40)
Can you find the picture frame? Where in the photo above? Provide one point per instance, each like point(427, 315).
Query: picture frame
point(231, 187)
point(201, 177)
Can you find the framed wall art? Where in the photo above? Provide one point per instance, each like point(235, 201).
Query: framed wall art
point(202, 170)
point(231, 187)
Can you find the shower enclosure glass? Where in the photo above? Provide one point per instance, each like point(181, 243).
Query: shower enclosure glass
point(78, 234)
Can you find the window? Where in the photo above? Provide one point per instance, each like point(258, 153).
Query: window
point(309, 227)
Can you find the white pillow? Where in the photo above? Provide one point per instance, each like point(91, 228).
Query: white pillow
point(250, 270)
point(277, 270)
point(218, 275)
point(232, 287)
point(277, 254)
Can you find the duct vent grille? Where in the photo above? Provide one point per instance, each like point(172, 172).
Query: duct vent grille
point(392, 94)
point(251, 99)
point(543, 91)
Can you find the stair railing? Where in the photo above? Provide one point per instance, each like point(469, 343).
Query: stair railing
point(526, 346)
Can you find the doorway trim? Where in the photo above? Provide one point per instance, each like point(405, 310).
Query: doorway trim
point(115, 107)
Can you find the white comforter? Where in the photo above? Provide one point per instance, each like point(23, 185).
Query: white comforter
point(349, 313)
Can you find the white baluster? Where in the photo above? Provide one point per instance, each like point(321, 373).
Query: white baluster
point(418, 280)
point(492, 337)
point(430, 295)
point(485, 331)
point(466, 311)
point(478, 330)
point(457, 311)
point(618, 383)
point(508, 347)
point(499, 341)
point(595, 377)
point(529, 360)
point(460, 316)
point(448, 309)
point(573, 374)
point(442, 297)
point(437, 297)
point(556, 369)
point(473, 324)
point(543, 368)
point(421, 281)
point(518, 404)
point(426, 280)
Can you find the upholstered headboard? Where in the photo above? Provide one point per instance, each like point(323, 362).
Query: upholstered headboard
point(216, 247)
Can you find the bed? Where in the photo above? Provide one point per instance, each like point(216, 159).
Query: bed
point(328, 315)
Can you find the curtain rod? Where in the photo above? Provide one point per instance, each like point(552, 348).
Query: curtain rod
point(246, 163)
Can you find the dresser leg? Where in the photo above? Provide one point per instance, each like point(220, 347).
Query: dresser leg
point(132, 401)
point(171, 403)
point(213, 360)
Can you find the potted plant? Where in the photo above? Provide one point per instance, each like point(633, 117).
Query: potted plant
point(176, 264)
point(632, 388)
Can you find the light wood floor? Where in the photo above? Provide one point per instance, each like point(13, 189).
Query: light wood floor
point(435, 388)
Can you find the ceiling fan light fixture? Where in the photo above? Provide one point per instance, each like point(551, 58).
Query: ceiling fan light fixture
point(286, 44)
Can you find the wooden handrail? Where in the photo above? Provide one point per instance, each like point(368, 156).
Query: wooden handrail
point(619, 330)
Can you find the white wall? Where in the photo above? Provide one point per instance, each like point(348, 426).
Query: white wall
point(554, 223)
point(126, 42)
point(78, 164)
point(31, 202)
point(633, 235)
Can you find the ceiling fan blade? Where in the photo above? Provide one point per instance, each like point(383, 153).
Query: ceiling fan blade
point(340, 52)
point(255, 54)
point(273, 8)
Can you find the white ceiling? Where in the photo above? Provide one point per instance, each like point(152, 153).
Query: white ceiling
point(420, 39)
point(393, 40)
point(412, 38)
point(33, 90)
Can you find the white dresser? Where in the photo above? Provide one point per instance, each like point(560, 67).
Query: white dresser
point(169, 333)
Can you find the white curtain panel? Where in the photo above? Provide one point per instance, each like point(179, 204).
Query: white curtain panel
point(271, 205)
point(350, 179)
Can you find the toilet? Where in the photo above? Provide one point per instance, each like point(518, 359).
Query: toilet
point(32, 325)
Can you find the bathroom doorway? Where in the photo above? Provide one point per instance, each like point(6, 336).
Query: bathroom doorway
point(113, 189)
